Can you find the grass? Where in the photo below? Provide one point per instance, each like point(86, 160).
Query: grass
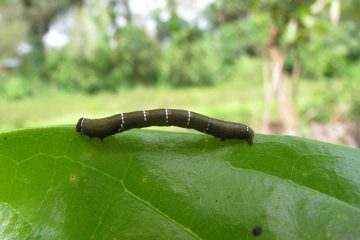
point(237, 100)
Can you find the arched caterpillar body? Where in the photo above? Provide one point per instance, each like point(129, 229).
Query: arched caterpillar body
point(104, 127)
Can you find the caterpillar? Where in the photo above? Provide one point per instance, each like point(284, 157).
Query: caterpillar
point(104, 127)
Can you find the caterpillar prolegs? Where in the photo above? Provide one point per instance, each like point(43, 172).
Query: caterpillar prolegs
point(104, 127)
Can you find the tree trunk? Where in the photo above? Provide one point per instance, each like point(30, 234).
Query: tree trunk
point(335, 10)
point(37, 31)
point(128, 13)
point(295, 77)
point(277, 91)
point(38, 26)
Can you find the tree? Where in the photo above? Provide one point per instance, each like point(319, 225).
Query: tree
point(39, 15)
point(12, 30)
point(118, 9)
point(292, 22)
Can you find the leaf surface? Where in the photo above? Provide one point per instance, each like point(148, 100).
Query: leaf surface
point(55, 184)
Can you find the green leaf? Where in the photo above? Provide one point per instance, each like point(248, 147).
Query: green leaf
point(141, 184)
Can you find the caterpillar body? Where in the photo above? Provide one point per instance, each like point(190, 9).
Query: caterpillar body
point(104, 127)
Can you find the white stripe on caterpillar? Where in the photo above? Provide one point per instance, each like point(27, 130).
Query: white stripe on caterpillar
point(188, 120)
point(166, 116)
point(145, 119)
point(122, 123)
point(82, 125)
point(207, 127)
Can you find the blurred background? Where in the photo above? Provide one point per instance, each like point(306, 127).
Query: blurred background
point(283, 67)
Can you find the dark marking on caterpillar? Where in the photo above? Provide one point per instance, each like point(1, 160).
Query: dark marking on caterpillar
point(104, 127)
point(257, 231)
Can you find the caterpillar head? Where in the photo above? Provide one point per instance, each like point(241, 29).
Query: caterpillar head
point(79, 125)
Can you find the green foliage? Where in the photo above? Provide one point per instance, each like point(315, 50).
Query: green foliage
point(227, 11)
point(190, 60)
point(351, 90)
point(72, 73)
point(354, 71)
point(246, 70)
point(165, 29)
point(334, 99)
point(332, 53)
point(240, 38)
point(14, 87)
point(136, 57)
point(97, 59)
point(134, 60)
point(12, 31)
point(355, 109)
point(323, 105)
point(55, 184)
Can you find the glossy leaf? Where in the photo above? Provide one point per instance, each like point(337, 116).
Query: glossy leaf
point(143, 184)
